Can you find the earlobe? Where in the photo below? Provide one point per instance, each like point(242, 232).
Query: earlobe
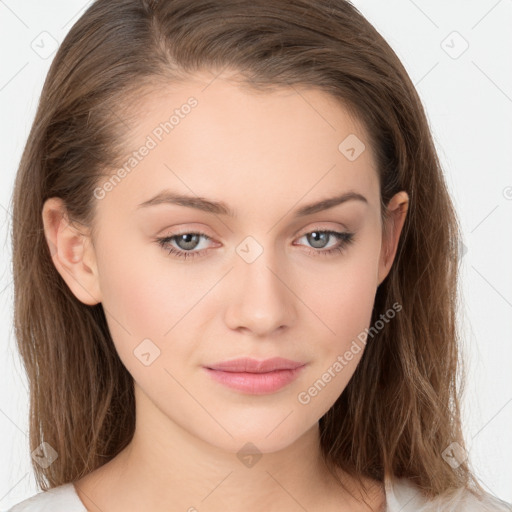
point(397, 209)
point(72, 252)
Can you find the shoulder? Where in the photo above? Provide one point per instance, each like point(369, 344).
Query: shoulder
point(403, 496)
point(59, 499)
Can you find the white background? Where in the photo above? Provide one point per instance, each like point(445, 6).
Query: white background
point(469, 105)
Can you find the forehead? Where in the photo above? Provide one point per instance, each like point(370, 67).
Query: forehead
point(214, 137)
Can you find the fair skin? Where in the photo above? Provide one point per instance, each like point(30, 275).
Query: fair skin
point(265, 155)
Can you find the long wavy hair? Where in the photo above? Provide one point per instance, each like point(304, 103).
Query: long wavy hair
point(400, 411)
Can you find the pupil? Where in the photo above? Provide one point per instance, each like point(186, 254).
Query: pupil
point(190, 240)
point(315, 235)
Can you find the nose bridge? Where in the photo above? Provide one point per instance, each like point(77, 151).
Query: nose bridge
point(260, 301)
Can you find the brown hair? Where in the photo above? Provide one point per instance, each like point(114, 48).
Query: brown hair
point(400, 410)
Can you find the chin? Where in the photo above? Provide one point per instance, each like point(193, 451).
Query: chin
point(264, 437)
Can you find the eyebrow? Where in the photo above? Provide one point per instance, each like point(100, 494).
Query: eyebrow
point(220, 208)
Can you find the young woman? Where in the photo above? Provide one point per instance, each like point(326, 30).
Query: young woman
point(235, 264)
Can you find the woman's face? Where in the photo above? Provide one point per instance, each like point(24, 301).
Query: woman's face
point(254, 277)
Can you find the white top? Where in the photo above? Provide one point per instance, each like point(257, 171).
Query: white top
point(401, 496)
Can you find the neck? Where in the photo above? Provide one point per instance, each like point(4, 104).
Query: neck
point(166, 468)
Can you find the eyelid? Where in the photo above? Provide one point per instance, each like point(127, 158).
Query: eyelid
point(190, 229)
point(343, 238)
point(318, 226)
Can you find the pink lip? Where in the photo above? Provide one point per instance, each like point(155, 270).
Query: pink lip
point(246, 364)
point(255, 377)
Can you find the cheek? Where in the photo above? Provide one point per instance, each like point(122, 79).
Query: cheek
point(153, 310)
point(137, 304)
point(342, 299)
point(133, 296)
point(342, 302)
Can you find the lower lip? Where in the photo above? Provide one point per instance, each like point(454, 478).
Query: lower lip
point(255, 383)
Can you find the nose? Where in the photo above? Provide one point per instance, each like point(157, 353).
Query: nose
point(261, 299)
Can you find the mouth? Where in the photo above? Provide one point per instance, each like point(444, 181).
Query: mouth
point(246, 364)
point(255, 377)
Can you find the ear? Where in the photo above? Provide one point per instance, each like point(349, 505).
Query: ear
point(397, 211)
point(72, 252)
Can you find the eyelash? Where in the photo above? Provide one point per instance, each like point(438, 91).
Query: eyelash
point(344, 240)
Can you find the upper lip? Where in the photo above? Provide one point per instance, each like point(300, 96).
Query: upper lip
point(249, 365)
